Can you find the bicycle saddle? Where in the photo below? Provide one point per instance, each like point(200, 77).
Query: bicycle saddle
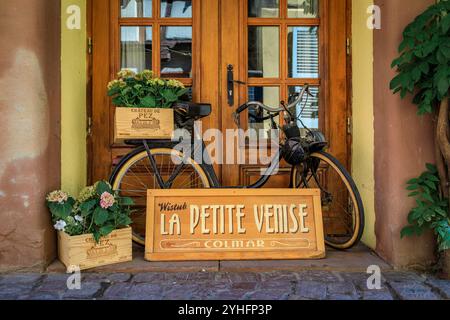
point(193, 110)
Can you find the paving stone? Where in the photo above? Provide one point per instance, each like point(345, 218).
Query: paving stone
point(106, 278)
point(185, 291)
point(15, 291)
point(26, 278)
point(54, 283)
point(342, 288)
point(244, 285)
point(317, 276)
point(117, 291)
point(45, 296)
point(377, 295)
point(230, 294)
point(403, 277)
point(311, 290)
point(244, 277)
point(268, 295)
point(413, 290)
point(359, 280)
point(149, 277)
point(275, 285)
point(442, 286)
point(86, 292)
point(342, 297)
point(279, 276)
point(145, 291)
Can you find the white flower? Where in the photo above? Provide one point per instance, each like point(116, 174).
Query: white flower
point(60, 225)
point(79, 218)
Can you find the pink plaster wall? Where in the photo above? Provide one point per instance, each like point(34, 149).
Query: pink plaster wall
point(403, 143)
point(30, 130)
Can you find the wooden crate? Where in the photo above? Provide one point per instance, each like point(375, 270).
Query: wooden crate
point(143, 123)
point(84, 252)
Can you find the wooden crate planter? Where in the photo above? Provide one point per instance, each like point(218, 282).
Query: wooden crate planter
point(84, 252)
point(143, 123)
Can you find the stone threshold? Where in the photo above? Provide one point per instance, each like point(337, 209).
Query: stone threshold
point(357, 259)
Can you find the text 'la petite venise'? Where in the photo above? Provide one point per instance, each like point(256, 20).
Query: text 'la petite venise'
point(232, 219)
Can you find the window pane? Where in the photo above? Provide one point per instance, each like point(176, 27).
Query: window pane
point(303, 8)
point(303, 52)
point(176, 52)
point(136, 8)
point(269, 96)
point(263, 52)
point(307, 110)
point(136, 48)
point(263, 8)
point(176, 8)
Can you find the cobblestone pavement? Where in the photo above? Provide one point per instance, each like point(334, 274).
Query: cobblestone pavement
point(306, 285)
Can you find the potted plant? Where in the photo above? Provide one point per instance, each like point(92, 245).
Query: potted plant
point(424, 70)
point(93, 230)
point(143, 105)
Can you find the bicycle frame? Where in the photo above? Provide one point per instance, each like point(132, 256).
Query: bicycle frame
point(265, 177)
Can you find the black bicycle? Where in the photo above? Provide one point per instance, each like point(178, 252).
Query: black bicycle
point(159, 164)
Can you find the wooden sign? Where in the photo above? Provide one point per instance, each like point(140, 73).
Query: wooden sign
point(234, 224)
point(143, 123)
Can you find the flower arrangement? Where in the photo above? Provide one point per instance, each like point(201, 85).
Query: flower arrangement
point(98, 210)
point(143, 90)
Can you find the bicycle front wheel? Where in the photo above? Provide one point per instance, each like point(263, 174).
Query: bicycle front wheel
point(134, 176)
point(342, 208)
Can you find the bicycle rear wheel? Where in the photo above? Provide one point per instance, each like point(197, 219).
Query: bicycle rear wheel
point(342, 208)
point(134, 176)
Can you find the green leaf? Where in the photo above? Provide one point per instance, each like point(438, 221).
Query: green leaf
point(100, 216)
point(408, 232)
point(87, 206)
point(148, 102)
point(413, 187)
point(123, 221)
point(431, 167)
point(428, 197)
point(169, 95)
point(445, 23)
point(125, 201)
point(431, 185)
point(102, 187)
point(106, 230)
point(413, 181)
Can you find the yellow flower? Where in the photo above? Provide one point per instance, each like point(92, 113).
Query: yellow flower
point(147, 74)
point(126, 73)
point(175, 83)
point(116, 83)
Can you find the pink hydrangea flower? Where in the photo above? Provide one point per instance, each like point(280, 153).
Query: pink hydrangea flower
point(107, 200)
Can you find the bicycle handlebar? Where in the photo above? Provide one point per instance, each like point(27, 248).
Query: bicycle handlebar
point(245, 106)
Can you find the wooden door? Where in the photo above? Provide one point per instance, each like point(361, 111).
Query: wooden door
point(273, 45)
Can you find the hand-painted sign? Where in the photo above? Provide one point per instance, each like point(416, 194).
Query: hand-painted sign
point(234, 224)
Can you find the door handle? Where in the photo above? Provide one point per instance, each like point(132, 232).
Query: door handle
point(230, 84)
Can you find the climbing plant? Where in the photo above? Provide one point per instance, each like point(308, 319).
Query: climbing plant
point(423, 69)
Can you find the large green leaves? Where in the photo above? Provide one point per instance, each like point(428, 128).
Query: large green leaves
point(431, 211)
point(100, 216)
point(424, 61)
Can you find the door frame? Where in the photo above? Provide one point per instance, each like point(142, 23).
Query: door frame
point(209, 50)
